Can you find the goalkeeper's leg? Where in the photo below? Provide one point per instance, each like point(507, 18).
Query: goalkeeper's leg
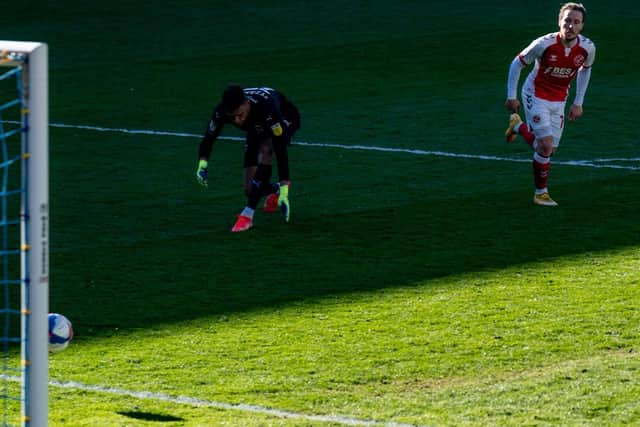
point(268, 189)
point(256, 184)
point(251, 186)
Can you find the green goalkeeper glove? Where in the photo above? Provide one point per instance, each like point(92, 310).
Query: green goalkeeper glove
point(202, 174)
point(283, 202)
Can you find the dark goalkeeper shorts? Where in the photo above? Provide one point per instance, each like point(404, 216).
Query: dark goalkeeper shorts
point(291, 123)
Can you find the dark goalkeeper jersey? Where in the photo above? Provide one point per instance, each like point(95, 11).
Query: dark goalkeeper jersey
point(269, 110)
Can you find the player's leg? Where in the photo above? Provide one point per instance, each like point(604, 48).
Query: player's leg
point(264, 171)
point(511, 133)
point(545, 148)
point(251, 190)
point(517, 126)
point(245, 218)
point(557, 125)
point(247, 178)
point(541, 168)
point(263, 176)
point(539, 113)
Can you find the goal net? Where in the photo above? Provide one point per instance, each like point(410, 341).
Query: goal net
point(24, 232)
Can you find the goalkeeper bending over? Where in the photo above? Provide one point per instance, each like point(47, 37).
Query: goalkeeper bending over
point(270, 121)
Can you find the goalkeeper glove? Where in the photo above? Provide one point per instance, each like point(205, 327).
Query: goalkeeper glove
point(283, 202)
point(202, 174)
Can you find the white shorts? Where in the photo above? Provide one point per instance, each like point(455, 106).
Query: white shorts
point(544, 117)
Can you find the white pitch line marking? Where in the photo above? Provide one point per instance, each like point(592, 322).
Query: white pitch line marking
point(596, 163)
point(186, 400)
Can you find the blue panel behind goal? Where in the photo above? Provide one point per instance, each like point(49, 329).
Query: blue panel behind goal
point(10, 194)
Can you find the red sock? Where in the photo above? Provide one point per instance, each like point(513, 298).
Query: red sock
point(541, 166)
point(527, 134)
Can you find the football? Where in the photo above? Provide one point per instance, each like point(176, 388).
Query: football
point(60, 332)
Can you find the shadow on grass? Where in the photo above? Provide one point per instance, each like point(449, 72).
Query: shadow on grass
point(181, 278)
point(149, 416)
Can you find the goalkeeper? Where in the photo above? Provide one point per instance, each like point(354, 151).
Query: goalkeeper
point(270, 120)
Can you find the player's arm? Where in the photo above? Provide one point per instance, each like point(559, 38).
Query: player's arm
point(512, 104)
point(523, 59)
point(214, 127)
point(582, 79)
point(582, 82)
point(273, 116)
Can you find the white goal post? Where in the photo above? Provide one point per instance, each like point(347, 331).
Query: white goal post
point(32, 57)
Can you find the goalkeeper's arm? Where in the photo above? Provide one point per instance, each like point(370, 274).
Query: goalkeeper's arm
point(212, 132)
point(206, 145)
point(202, 171)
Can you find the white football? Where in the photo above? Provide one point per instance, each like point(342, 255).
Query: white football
point(60, 332)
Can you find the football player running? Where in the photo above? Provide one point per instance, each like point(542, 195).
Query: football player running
point(270, 120)
point(559, 58)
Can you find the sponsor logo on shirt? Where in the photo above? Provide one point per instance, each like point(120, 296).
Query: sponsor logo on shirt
point(561, 72)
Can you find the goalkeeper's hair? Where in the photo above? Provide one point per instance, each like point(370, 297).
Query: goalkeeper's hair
point(232, 98)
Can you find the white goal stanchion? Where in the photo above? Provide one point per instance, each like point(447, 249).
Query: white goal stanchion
point(31, 60)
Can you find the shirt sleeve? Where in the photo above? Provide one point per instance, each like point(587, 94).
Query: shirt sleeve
point(534, 50)
point(528, 55)
point(211, 133)
point(582, 82)
point(584, 73)
point(273, 117)
point(514, 77)
point(591, 56)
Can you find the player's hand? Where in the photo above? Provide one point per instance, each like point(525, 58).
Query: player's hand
point(283, 201)
point(575, 112)
point(202, 174)
point(512, 105)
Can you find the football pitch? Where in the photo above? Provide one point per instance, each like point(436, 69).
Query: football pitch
point(416, 285)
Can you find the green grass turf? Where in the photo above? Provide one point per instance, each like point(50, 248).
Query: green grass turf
point(416, 289)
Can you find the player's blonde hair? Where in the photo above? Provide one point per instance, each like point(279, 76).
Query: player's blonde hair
point(574, 6)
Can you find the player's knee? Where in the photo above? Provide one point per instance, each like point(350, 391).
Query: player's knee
point(545, 151)
point(545, 146)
